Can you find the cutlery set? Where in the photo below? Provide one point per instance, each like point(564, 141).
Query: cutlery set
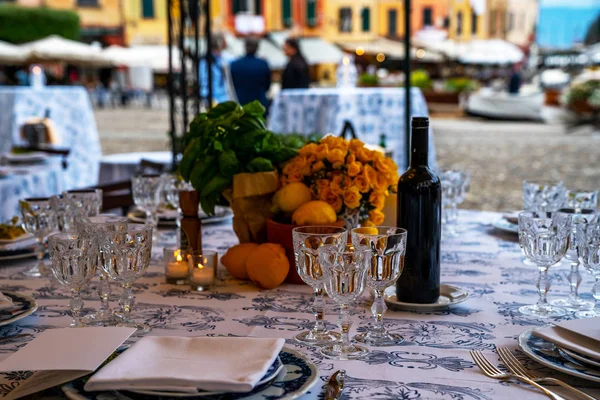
point(520, 373)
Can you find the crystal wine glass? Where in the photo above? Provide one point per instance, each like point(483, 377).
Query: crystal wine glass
point(65, 217)
point(147, 191)
point(455, 184)
point(172, 184)
point(388, 247)
point(307, 241)
point(126, 258)
point(544, 237)
point(74, 260)
point(588, 249)
point(543, 196)
point(579, 218)
point(39, 219)
point(344, 271)
point(85, 202)
point(97, 228)
point(581, 200)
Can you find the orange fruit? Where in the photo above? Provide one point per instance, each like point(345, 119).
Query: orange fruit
point(267, 265)
point(314, 212)
point(235, 259)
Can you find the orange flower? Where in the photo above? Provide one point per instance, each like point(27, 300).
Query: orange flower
point(370, 175)
point(322, 151)
point(361, 183)
point(336, 157)
point(308, 149)
point(355, 144)
point(354, 167)
point(381, 165)
point(319, 165)
point(331, 198)
point(364, 154)
point(334, 142)
point(376, 217)
point(377, 200)
point(339, 183)
point(352, 197)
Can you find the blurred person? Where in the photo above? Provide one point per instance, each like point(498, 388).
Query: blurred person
point(22, 77)
point(251, 76)
point(219, 75)
point(296, 74)
point(514, 83)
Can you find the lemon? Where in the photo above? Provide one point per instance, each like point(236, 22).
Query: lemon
point(314, 213)
point(235, 259)
point(290, 197)
point(267, 265)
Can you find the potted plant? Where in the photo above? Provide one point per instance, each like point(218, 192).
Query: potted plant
point(584, 97)
point(368, 80)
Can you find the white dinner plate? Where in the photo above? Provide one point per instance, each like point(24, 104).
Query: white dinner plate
point(505, 226)
point(512, 217)
point(24, 306)
point(547, 353)
point(167, 217)
point(586, 360)
point(450, 295)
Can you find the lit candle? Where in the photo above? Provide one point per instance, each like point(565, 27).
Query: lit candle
point(202, 276)
point(177, 269)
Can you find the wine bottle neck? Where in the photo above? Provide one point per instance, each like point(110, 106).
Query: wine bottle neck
point(419, 146)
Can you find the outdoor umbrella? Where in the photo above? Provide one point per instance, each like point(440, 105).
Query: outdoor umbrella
point(56, 48)
point(11, 54)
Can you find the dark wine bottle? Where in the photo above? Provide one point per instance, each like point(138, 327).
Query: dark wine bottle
point(420, 213)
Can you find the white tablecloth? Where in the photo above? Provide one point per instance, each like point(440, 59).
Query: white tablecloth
point(70, 111)
point(372, 112)
point(29, 181)
point(122, 166)
point(432, 363)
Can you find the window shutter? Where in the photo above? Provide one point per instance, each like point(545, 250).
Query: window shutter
point(286, 12)
point(366, 19)
point(311, 12)
point(147, 8)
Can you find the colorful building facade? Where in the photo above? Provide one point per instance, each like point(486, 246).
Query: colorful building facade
point(521, 21)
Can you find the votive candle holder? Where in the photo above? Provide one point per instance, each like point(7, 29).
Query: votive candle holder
point(176, 266)
point(202, 269)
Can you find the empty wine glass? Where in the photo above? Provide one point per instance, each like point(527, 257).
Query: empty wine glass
point(64, 212)
point(126, 258)
point(85, 202)
point(544, 237)
point(39, 219)
point(581, 200)
point(588, 248)
point(579, 218)
point(74, 260)
point(344, 271)
point(455, 184)
point(172, 184)
point(307, 241)
point(543, 196)
point(147, 196)
point(387, 246)
point(97, 228)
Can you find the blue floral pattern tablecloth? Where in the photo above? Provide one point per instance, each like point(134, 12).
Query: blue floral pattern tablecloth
point(433, 363)
point(372, 112)
point(72, 115)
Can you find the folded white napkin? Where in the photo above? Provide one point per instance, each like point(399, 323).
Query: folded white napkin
point(5, 302)
point(581, 336)
point(189, 364)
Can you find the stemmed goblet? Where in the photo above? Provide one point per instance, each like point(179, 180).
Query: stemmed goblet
point(581, 200)
point(85, 202)
point(344, 271)
point(97, 228)
point(65, 217)
point(39, 219)
point(579, 219)
point(588, 249)
point(544, 237)
point(307, 241)
point(126, 258)
point(388, 247)
point(147, 191)
point(543, 196)
point(74, 260)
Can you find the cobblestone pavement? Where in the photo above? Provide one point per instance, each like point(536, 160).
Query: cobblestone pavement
point(498, 154)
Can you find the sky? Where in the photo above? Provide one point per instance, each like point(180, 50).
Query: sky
point(563, 23)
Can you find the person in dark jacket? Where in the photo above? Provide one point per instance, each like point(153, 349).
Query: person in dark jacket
point(295, 75)
point(251, 76)
point(514, 83)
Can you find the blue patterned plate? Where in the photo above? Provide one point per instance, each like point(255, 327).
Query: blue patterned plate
point(506, 226)
point(296, 378)
point(547, 353)
point(23, 307)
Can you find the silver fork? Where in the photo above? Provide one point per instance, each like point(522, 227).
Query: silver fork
point(517, 368)
point(491, 371)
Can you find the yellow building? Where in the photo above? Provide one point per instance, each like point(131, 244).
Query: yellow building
point(350, 20)
point(390, 21)
point(465, 22)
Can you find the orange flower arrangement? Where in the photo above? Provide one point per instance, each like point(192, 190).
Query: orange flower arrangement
point(346, 175)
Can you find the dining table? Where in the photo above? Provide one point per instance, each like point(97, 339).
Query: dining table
point(433, 362)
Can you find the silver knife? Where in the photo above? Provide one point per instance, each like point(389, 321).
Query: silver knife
point(333, 390)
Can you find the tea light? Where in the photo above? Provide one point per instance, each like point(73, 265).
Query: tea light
point(202, 269)
point(176, 269)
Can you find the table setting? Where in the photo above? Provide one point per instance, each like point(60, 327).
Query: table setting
point(306, 299)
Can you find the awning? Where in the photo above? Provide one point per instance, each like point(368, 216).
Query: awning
point(315, 50)
point(10, 53)
point(494, 51)
point(153, 56)
point(391, 49)
point(56, 48)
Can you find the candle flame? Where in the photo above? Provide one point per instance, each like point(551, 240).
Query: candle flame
point(177, 255)
point(200, 266)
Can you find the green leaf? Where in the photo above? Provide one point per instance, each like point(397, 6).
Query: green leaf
point(250, 123)
point(228, 163)
point(218, 145)
point(284, 154)
point(204, 169)
point(260, 164)
point(190, 155)
point(209, 202)
point(254, 108)
point(222, 109)
point(215, 185)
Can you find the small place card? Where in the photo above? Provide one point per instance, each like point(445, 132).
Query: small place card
point(61, 355)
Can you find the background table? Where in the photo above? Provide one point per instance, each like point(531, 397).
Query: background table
point(372, 112)
point(70, 111)
point(432, 363)
point(122, 166)
point(29, 181)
